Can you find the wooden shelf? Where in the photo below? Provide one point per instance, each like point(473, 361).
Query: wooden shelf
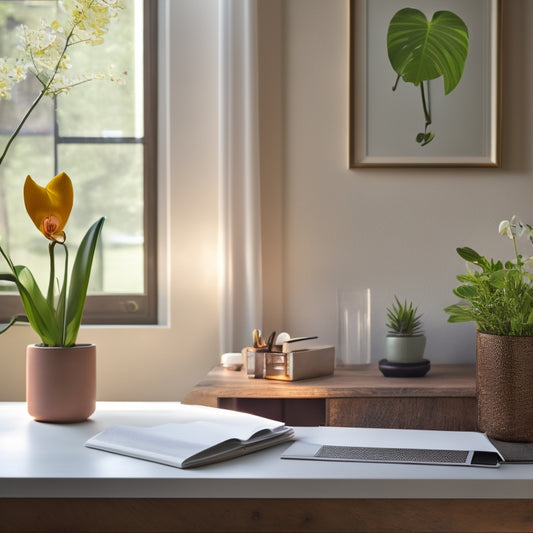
point(444, 399)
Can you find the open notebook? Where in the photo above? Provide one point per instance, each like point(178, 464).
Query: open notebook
point(195, 435)
point(465, 448)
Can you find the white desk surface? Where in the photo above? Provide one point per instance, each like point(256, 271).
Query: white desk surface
point(49, 460)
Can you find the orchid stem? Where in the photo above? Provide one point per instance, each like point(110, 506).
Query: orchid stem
point(19, 127)
point(44, 90)
point(52, 278)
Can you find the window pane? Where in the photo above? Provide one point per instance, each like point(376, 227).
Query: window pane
point(96, 134)
point(32, 155)
point(108, 182)
point(13, 13)
point(109, 109)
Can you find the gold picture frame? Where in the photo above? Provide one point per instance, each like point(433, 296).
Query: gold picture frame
point(387, 126)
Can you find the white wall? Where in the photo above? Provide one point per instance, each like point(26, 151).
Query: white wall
point(324, 226)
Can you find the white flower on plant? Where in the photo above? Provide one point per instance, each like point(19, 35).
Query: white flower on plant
point(512, 228)
point(12, 71)
point(43, 52)
point(92, 17)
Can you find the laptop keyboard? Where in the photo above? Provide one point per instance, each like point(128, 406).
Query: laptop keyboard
point(391, 455)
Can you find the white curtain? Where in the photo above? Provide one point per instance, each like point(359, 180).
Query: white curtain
point(239, 185)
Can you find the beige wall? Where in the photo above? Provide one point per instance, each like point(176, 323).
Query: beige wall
point(393, 230)
point(324, 226)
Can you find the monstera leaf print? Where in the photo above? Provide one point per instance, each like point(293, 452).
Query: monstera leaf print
point(420, 50)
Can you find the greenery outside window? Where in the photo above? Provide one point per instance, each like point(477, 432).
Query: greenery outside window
point(103, 135)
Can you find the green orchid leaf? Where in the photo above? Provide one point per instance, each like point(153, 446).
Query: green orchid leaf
point(40, 313)
point(5, 327)
point(79, 282)
point(421, 50)
point(8, 259)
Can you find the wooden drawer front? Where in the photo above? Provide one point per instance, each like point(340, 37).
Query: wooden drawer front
point(292, 411)
point(452, 414)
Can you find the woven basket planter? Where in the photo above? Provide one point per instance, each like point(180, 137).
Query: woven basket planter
point(504, 380)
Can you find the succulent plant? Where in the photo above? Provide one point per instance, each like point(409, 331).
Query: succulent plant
point(403, 319)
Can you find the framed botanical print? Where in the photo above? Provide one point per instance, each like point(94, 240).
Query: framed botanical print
point(425, 83)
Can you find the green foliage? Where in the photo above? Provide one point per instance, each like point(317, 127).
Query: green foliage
point(497, 297)
point(56, 323)
point(402, 319)
point(420, 50)
point(79, 281)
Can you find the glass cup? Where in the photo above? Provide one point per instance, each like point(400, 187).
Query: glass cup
point(354, 327)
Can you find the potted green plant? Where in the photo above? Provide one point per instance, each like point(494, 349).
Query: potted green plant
point(498, 297)
point(405, 341)
point(60, 374)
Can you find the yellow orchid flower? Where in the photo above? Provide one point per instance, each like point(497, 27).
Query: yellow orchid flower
point(55, 317)
point(49, 207)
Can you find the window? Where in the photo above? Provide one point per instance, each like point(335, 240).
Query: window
point(104, 136)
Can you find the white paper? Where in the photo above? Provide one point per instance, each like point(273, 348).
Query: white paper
point(404, 438)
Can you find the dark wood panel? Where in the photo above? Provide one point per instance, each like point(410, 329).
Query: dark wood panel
point(310, 412)
point(455, 414)
point(121, 515)
point(294, 412)
point(444, 399)
point(269, 408)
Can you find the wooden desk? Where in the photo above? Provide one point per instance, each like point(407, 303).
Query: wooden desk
point(444, 399)
point(50, 482)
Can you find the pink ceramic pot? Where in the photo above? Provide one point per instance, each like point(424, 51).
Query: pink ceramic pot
point(61, 382)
